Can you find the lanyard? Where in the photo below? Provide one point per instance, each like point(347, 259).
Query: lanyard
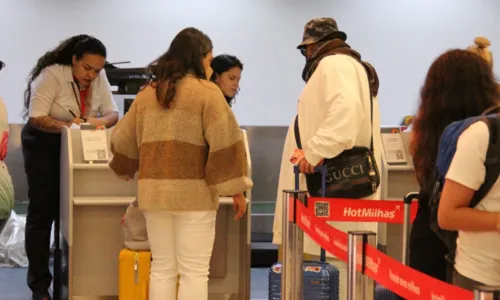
point(80, 103)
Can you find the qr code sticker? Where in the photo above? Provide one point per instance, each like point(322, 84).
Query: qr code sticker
point(399, 155)
point(101, 154)
point(322, 209)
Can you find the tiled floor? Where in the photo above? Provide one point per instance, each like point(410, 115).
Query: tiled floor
point(13, 284)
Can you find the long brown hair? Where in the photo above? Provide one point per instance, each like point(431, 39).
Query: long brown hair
point(184, 56)
point(459, 84)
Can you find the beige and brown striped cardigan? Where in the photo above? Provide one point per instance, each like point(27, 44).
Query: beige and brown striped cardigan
point(186, 156)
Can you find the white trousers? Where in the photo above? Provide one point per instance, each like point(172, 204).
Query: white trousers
point(181, 244)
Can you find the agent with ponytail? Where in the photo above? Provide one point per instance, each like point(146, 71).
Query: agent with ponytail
point(67, 86)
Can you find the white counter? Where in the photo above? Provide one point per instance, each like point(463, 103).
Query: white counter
point(93, 202)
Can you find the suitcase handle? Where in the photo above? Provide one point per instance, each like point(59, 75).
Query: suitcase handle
point(323, 170)
point(407, 200)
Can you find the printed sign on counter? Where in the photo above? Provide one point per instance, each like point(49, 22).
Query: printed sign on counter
point(394, 148)
point(94, 145)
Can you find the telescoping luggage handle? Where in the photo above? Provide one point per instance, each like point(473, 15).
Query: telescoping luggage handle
point(322, 170)
point(407, 200)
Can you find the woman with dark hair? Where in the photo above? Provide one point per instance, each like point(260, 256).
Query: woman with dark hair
point(227, 74)
point(459, 85)
point(67, 86)
point(183, 140)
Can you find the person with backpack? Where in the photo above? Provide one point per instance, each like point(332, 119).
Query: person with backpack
point(469, 202)
point(459, 85)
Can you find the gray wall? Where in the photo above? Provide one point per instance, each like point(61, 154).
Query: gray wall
point(266, 149)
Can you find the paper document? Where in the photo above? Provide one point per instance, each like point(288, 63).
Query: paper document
point(95, 145)
point(394, 149)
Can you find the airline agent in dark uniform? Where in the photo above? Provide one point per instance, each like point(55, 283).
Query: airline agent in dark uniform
point(67, 86)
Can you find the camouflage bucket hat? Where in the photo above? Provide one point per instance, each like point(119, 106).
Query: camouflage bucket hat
point(318, 28)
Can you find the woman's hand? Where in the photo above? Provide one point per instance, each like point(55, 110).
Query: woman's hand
point(306, 168)
point(239, 205)
point(77, 121)
point(94, 121)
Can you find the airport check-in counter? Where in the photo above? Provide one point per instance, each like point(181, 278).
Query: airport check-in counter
point(398, 179)
point(93, 202)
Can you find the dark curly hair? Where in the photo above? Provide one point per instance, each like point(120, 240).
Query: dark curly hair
point(77, 46)
point(459, 85)
point(223, 63)
point(184, 56)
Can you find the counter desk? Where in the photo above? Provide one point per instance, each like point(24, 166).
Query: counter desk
point(93, 202)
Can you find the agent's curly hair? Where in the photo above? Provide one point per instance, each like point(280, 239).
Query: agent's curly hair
point(459, 84)
point(77, 46)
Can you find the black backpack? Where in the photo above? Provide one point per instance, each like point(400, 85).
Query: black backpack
point(492, 165)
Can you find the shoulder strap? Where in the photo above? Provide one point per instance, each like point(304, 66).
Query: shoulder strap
point(297, 132)
point(296, 124)
point(371, 119)
point(492, 162)
point(492, 110)
point(371, 98)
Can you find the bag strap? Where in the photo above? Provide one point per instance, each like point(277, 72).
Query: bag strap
point(296, 132)
point(492, 110)
point(492, 162)
point(296, 124)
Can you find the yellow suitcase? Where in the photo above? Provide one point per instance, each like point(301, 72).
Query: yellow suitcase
point(133, 272)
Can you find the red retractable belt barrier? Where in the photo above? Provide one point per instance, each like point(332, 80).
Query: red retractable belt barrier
point(328, 237)
point(407, 282)
point(387, 271)
point(347, 210)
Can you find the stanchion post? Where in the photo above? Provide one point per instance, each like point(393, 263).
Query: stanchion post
point(487, 293)
point(293, 247)
point(359, 286)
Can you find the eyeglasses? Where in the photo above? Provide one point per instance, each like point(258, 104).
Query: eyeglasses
point(303, 51)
